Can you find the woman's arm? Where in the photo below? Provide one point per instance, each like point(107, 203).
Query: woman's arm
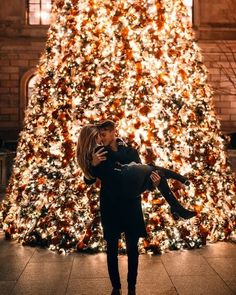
point(98, 156)
point(103, 166)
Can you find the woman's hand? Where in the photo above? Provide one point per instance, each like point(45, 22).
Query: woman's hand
point(155, 177)
point(98, 157)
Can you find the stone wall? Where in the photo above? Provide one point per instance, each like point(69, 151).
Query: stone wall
point(21, 46)
point(17, 58)
point(220, 60)
point(215, 27)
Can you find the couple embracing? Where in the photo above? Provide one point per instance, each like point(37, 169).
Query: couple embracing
point(123, 178)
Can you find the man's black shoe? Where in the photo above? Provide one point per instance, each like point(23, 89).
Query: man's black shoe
point(116, 291)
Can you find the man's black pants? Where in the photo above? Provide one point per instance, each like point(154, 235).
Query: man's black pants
point(112, 261)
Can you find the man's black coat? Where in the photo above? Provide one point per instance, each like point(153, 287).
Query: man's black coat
point(119, 213)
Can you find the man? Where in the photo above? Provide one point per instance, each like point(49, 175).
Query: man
point(119, 214)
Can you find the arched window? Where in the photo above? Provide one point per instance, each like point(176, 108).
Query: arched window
point(30, 87)
point(38, 12)
point(189, 5)
point(26, 86)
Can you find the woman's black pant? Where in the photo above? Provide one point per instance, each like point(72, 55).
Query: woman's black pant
point(134, 179)
point(112, 261)
point(164, 188)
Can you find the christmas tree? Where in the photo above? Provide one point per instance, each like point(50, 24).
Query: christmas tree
point(135, 62)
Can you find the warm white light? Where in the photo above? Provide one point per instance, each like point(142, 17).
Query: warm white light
point(45, 16)
point(48, 6)
point(188, 3)
point(147, 75)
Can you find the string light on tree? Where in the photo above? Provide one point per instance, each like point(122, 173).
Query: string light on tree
point(135, 62)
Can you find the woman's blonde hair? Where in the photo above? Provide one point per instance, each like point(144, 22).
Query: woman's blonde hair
point(85, 147)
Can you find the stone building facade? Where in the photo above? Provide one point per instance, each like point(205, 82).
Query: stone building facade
point(21, 45)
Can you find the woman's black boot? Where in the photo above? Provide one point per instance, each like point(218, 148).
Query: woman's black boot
point(179, 211)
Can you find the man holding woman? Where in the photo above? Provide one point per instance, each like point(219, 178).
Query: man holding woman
point(120, 208)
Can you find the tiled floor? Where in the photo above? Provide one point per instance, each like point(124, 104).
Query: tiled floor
point(210, 270)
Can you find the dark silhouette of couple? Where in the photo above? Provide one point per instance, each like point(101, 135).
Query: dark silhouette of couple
point(123, 178)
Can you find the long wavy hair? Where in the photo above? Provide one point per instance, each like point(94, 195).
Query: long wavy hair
point(85, 147)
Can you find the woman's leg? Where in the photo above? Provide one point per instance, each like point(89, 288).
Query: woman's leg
point(171, 174)
point(133, 254)
point(133, 179)
point(176, 208)
point(112, 262)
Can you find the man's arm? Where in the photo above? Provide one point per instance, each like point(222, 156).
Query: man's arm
point(135, 156)
point(127, 154)
point(155, 177)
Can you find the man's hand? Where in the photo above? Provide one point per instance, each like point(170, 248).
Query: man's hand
point(155, 177)
point(98, 157)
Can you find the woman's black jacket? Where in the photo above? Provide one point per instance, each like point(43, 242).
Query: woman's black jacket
point(118, 213)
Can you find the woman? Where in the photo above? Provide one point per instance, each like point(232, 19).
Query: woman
point(130, 180)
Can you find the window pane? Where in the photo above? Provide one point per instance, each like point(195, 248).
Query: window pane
point(30, 87)
point(34, 7)
point(46, 12)
point(189, 5)
point(46, 7)
point(34, 2)
point(46, 3)
point(45, 18)
point(188, 2)
point(39, 12)
point(34, 18)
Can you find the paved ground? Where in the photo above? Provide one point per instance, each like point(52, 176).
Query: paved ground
point(33, 271)
point(207, 271)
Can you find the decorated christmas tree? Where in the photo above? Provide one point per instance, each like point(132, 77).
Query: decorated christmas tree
point(135, 62)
